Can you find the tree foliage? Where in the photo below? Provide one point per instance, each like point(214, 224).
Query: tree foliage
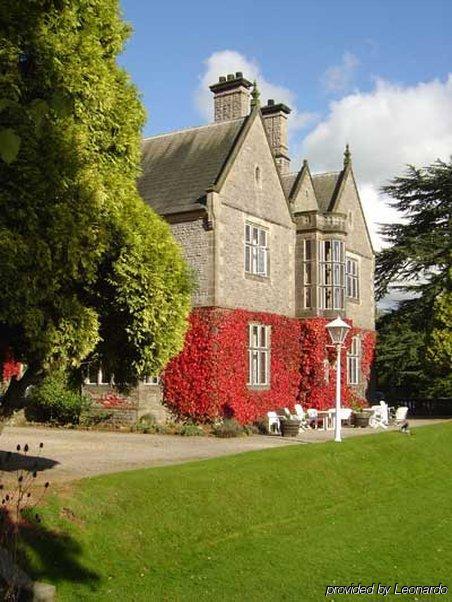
point(415, 342)
point(399, 360)
point(420, 250)
point(82, 259)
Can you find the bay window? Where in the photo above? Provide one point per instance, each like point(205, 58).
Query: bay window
point(353, 361)
point(352, 277)
point(307, 272)
point(331, 274)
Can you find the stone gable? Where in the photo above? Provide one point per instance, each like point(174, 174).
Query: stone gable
point(252, 194)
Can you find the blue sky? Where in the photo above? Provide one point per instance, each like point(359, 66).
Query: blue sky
point(375, 74)
point(293, 42)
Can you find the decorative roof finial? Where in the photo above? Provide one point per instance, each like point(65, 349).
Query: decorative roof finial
point(347, 156)
point(255, 96)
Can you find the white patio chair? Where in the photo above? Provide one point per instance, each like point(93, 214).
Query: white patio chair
point(344, 413)
point(313, 417)
point(301, 415)
point(273, 422)
point(400, 415)
point(380, 416)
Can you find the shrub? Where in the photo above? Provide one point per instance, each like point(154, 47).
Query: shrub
point(190, 430)
point(53, 401)
point(252, 429)
point(95, 417)
point(262, 426)
point(146, 424)
point(228, 428)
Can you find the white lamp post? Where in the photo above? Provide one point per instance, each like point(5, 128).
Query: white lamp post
point(338, 330)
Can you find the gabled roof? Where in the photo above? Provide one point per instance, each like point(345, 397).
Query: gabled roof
point(325, 188)
point(288, 180)
point(178, 168)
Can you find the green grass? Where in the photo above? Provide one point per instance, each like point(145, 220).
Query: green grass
point(270, 525)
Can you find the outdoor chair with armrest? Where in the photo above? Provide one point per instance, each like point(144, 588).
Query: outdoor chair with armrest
point(301, 415)
point(273, 422)
point(380, 416)
point(312, 417)
point(401, 415)
point(344, 413)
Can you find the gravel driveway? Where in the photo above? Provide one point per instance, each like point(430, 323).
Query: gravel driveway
point(74, 454)
point(71, 455)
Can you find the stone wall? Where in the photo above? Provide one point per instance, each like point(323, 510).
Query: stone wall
point(197, 246)
point(139, 401)
point(362, 312)
point(246, 199)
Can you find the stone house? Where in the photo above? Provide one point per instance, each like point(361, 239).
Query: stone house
point(261, 238)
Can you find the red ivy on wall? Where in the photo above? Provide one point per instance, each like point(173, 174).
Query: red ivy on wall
point(208, 379)
point(10, 368)
point(112, 401)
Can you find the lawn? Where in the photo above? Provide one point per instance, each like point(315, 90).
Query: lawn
point(269, 525)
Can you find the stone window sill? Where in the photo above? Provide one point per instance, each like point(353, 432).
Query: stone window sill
point(258, 387)
point(256, 277)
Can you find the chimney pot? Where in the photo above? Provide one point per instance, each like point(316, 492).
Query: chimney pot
point(275, 120)
point(231, 97)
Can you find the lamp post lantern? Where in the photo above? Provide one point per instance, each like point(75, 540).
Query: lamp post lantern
point(338, 330)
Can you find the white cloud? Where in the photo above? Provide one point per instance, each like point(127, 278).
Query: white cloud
point(387, 128)
point(230, 61)
point(339, 77)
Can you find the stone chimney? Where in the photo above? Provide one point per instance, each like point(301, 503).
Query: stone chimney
point(231, 97)
point(275, 119)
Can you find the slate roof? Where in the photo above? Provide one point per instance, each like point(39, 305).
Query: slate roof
point(178, 168)
point(288, 180)
point(325, 185)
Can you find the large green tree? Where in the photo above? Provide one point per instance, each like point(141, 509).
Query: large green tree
point(415, 340)
point(419, 253)
point(84, 264)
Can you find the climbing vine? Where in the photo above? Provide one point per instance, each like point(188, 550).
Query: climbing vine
point(208, 379)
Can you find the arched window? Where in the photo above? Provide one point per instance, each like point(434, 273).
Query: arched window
point(258, 177)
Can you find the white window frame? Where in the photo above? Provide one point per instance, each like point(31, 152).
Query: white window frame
point(353, 361)
point(331, 274)
point(308, 266)
point(256, 250)
point(258, 355)
point(352, 277)
point(99, 377)
point(151, 380)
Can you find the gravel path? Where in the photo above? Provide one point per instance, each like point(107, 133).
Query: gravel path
point(69, 455)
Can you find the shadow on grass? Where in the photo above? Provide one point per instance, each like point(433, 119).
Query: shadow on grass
point(11, 462)
point(47, 555)
point(56, 557)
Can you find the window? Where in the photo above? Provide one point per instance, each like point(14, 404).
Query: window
point(256, 250)
point(258, 354)
point(257, 177)
point(331, 274)
point(352, 277)
point(308, 270)
point(353, 362)
point(151, 380)
point(96, 374)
